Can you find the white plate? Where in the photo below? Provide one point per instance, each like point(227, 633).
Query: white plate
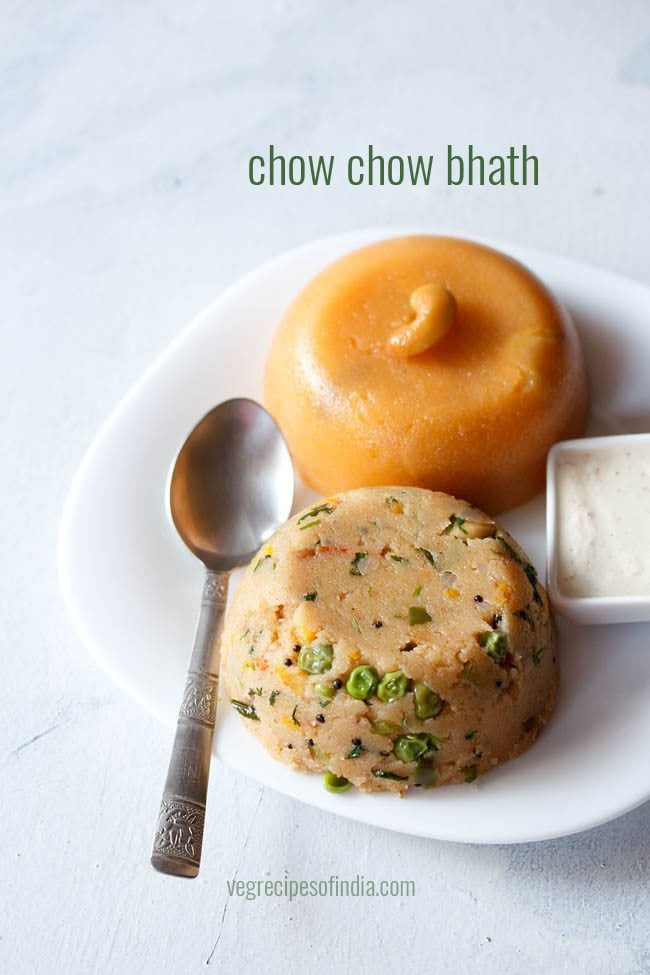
point(133, 591)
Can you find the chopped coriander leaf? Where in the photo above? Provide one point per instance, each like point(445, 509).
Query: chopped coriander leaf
point(524, 615)
point(309, 524)
point(246, 710)
point(418, 614)
point(355, 751)
point(320, 509)
point(471, 734)
point(273, 696)
point(355, 625)
point(399, 558)
point(537, 655)
point(531, 573)
point(508, 547)
point(255, 691)
point(309, 597)
point(358, 564)
point(379, 773)
point(455, 522)
point(260, 562)
point(427, 554)
point(293, 716)
point(417, 591)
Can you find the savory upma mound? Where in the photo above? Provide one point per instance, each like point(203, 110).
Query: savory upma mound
point(391, 637)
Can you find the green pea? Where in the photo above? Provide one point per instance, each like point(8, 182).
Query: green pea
point(382, 727)
point(469, 772)
point(410, 747)
point(336, 783)
point(392, 686)
point(428, 704)
point(426, 776)
point(380, 773)
point(470, 674)
point(316, 658)
point(496, 645)
point(324, 689)
point(362, 682)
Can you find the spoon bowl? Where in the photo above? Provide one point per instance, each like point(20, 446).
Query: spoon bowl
point(231, 486)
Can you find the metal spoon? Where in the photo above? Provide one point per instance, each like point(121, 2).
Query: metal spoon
point(230, 487)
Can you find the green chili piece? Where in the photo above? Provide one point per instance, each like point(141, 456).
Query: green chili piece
point(427, 554)
point(428, 704)
point(316, 658)
point(426, 776)
point(246, 710)
point(418, 614)
point(382, 727)
point(392, 686)
point(495, 645)
point(318, 753)
point(470, 673)
point(362, 682)
point(336, 783)
point(359, 564)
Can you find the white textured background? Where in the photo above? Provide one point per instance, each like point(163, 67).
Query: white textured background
point(125, 207)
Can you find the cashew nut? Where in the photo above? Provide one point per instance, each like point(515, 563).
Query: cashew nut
point(435, 309)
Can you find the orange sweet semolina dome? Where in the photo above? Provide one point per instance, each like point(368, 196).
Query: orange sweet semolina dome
point(427, 361)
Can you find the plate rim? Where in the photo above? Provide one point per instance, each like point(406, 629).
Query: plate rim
point(353, 239)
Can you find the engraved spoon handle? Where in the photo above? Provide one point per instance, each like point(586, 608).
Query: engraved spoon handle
point(179, 833)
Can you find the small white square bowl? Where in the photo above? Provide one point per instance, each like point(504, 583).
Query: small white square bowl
point(586, 609)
